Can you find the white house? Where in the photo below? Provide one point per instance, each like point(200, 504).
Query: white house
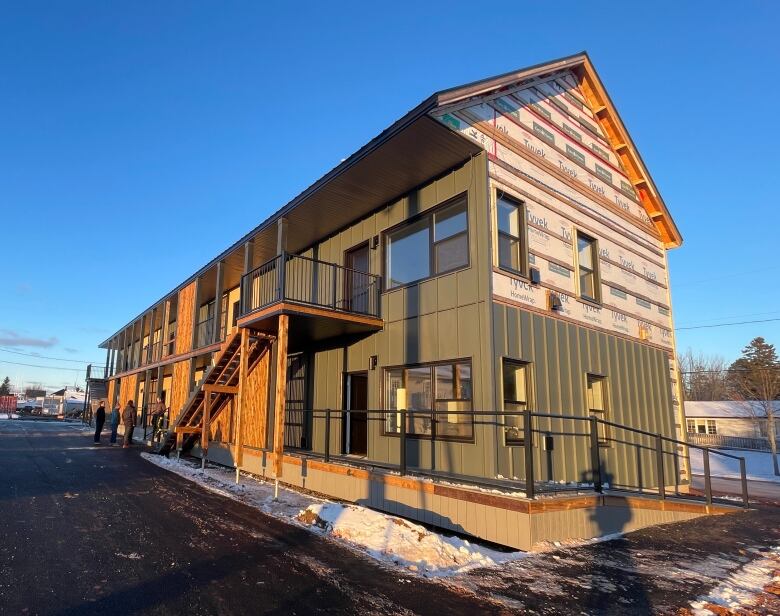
point(728, 418)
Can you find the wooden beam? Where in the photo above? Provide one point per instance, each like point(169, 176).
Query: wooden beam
point(187, 429)
point(220, 389)
point(280, 395)
point(205, 428)
point(243, 372)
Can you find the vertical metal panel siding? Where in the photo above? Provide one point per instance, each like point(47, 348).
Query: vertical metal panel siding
point(561, 354)
point(446, 317)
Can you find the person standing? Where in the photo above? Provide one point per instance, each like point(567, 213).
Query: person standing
point(116, 415)
point(128, 420)
point(157, 416)
point(100, 419)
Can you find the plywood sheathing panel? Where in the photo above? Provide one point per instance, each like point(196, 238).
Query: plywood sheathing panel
point(184, 319)
point(254, 412)
point(180, 386)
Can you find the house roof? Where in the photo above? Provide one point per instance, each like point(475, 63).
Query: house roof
point(725, 409)
point(421, 148)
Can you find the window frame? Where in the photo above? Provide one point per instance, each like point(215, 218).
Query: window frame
point(430, 215)
point(606, 439)
point(527, 367)
point(431, 366)
point(522, 239)
point(595, 271)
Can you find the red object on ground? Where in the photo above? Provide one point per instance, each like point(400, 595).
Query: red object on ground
point(7, 404)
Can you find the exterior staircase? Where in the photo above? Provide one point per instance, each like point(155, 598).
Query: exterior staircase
point(220, 382)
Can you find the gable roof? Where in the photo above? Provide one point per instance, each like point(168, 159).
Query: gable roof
point(423, 148)
point(606, 114)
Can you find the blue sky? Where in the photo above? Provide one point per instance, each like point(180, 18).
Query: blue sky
point(137, 140)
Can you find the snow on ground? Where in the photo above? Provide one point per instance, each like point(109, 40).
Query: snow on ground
point(758, 464)
point(743, 587)
point(386, 538)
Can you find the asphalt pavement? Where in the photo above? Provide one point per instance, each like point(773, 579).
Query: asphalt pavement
point(97, 530)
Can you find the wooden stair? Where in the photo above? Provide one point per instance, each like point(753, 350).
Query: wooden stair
point(221, 382)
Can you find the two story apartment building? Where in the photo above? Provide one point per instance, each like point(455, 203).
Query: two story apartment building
point(500, 248)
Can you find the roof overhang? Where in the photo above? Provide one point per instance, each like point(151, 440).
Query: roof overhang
point(411, 152)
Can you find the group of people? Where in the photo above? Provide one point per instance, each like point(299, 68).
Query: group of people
point(127, 417)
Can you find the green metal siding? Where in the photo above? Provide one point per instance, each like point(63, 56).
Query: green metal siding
point(560, 355)
point(442, 318)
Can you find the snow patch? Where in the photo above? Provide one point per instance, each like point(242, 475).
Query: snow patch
point(742, 588)
point(386, 538)
point(758, 465)
point(392, 539)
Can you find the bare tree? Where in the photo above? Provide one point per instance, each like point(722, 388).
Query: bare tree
point(754, 380)
point(703, 376)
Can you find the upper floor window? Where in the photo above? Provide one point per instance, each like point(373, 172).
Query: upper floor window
point(434, 244)
point(511, 234)
point(587, 265)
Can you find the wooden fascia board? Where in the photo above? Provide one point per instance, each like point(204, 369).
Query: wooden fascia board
point(621, 142)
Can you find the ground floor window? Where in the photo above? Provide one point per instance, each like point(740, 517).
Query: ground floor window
point(701, 426)
point(514, 384)
point(597, 403)
point(437, 398)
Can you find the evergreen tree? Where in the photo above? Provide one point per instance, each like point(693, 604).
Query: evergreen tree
point(754, 379)
point(5, 387)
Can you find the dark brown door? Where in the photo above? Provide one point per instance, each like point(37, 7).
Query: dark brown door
point(357, 426)
point(356, 279)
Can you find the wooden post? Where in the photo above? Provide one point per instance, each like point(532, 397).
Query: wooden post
point(215, 335)
point(280, 396)
point(243, 368)
point(205, 429)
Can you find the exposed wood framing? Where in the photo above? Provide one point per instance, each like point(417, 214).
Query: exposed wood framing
point(621, 142)
point(185, 325)
point(280, 394)
point(238, 456)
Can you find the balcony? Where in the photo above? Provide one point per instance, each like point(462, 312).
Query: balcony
point(335, 299)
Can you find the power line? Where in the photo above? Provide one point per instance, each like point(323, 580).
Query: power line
point(726, 324)
point(76, 361)
point(16, 363)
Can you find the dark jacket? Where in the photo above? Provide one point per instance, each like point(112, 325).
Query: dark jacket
point(115, 414)
point(128, 415)
point(100, 414)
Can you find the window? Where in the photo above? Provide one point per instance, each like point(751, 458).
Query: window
point(587, 266)
point(435, 244)
point(514, 379)
point(511, 234)
point(712, 428)
point(420, 390)
point(450, 238)
point(597, 403)
point(690, 426)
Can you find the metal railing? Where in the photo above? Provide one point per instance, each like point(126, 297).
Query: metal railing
point(607, 455)
point(303, 280)
point(728, 442)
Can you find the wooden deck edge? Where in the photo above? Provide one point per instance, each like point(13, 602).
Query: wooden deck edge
point(508, 502)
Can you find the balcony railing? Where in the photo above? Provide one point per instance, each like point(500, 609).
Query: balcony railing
point(728, 442)
point(302, 280)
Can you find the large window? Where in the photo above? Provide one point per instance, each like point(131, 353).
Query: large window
point(511, 235)
point(435, 244)
point(597, 403)
point(587, 265)
point(515, 387)
point(420, 390)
